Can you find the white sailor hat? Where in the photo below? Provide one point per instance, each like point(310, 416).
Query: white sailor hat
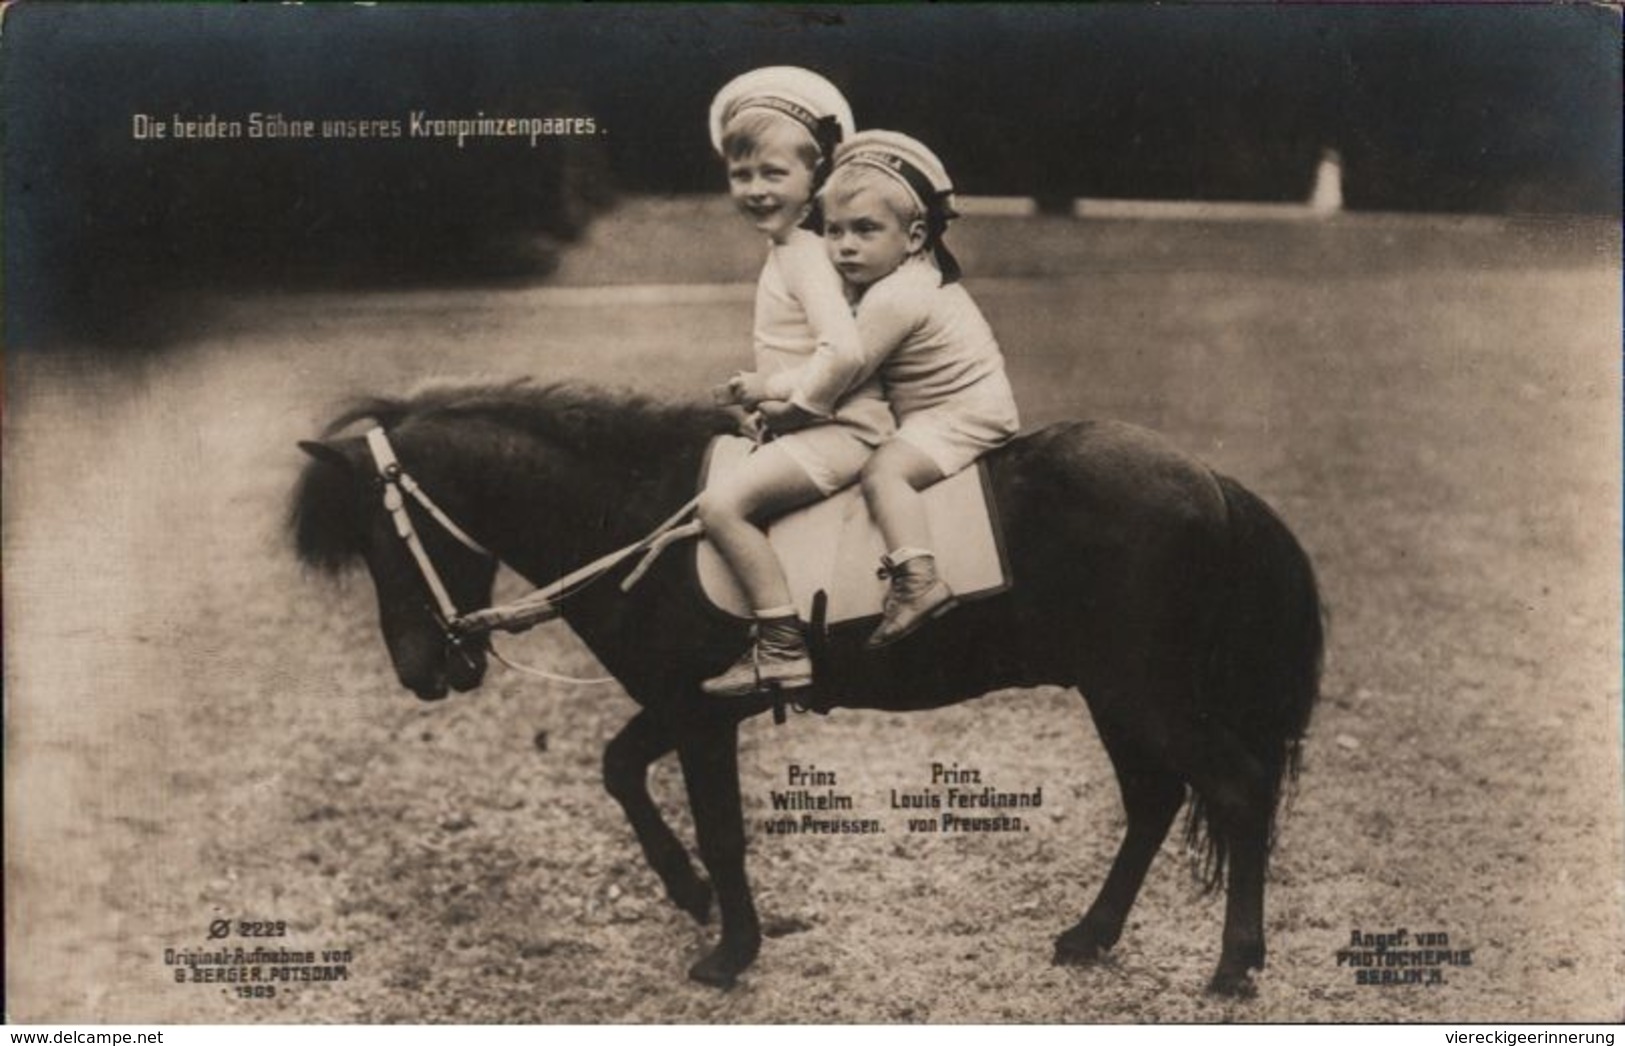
point(904, 158)
point(918, 170)
point(800, 94)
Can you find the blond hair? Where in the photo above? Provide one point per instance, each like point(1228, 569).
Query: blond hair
point(848, 180)
point(753, 129)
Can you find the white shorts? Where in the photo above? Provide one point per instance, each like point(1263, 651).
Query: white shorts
point(832, 455)
point(955, 434)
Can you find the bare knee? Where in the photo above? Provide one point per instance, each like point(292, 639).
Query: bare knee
point(899, 467)
point(716, 509)
point(870, 481)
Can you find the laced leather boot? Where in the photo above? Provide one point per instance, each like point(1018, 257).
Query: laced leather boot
point(777, 659)
point(916, 596)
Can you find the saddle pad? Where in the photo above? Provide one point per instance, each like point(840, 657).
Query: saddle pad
point(835, 546)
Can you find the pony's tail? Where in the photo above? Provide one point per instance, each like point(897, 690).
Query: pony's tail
point(1261, 673)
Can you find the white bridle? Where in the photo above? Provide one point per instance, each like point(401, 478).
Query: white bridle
point(398, 485)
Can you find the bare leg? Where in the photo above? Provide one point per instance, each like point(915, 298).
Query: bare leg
point(892, 480)
point(769, 483)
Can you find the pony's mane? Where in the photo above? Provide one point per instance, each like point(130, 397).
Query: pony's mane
point(326, 515)
point(578, 416)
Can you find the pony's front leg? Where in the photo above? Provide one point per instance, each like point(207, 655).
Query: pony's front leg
point(626, 777)
point(710, 758)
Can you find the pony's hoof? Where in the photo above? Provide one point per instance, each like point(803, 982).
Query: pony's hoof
point(1233, 985)
point(1078, 948)
point(716, 970)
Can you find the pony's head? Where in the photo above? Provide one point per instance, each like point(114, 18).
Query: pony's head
point(339, 519)
point(541, 474)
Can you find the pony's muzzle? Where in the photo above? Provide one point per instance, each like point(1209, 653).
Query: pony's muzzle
point(465, 662)
point(437, 669)
point(436, 691)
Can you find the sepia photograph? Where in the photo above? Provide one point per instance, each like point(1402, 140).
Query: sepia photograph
point(812, 514)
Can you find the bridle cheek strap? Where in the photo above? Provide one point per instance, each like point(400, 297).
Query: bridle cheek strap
point(396, 486)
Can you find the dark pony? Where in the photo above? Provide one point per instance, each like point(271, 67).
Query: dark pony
point(1177, 602)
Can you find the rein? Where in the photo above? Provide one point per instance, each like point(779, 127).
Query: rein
point(398, 485)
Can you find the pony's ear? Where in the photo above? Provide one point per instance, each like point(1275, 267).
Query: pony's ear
point(324, 452)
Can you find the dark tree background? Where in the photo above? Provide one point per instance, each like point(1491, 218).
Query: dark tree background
point(1451, 108)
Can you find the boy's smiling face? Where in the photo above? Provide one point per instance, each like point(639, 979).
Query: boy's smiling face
point(772, 187)
point(865, 237)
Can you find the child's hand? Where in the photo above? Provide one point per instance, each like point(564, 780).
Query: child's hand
point(747, 423)
point(748, 388)
point(782, 416)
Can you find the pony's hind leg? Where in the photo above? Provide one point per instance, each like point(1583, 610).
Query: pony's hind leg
point(627, 758)
point(710, 759)
point(1152, 797)
point(1243, 949)
point(1236, 806)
